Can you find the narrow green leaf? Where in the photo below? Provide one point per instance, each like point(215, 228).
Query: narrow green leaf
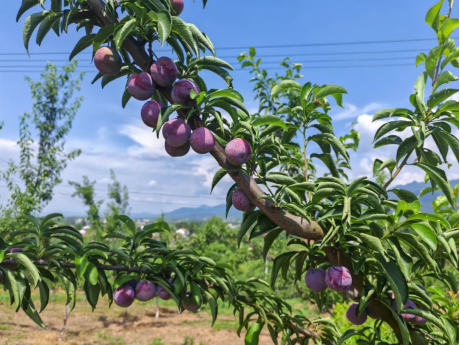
point(29, 26)
point(217, 177)
point(25, 6)
point(82, 44)
point(329, 90)
point(284, 86)
point(23, 259)
point(440, 178)
point(426, 233)
point(249, 223)
point(46, 25)
point(102, 35)
point(264, 120)
point(121, 32)
point(396, 279)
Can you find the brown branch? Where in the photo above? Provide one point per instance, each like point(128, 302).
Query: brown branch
point(397, 171)
point(292, 224)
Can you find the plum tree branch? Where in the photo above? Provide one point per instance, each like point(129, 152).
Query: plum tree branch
point(292, 224)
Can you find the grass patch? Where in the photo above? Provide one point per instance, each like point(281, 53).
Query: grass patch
point(111, 339)
point(5, 327)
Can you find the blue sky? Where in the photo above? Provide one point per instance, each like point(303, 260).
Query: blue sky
point(112, 137)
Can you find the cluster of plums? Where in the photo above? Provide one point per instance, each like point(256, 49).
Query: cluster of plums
point(145, 290)
point(339, 279)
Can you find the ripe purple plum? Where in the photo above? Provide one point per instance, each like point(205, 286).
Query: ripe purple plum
point(338, 278)
point(202, 140)
point(141, 86)
point(164, 71)
point(150, 112)
point(181, 92)
point(132, 283)
point(405, 316)
point(315, 279)
point(177, 151)
point(176, 132)
point(189, 303)
point(124, 296)
point(418, 320)
point(353, 318)
point(162, 293)
point(107, 61)
point(238, 151)
point(145, 290)
point(241, 201)
point(177, 7)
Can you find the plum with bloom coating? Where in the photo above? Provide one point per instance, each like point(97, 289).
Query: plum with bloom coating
point(141, 86)
point(202, 140)
point(145, 290)
point(177, 151)
point(150, 112)
point(162, 293)
point(353, 318)
point(241, 201)
point(238, 151)
point(405, 316)
point(132, 283)
point(338, 278)
point(164, 71)
point(180, 93)
point(176, 132)
point(189, 303)
point(107, 61)
point(124, 296)
point(315, 279)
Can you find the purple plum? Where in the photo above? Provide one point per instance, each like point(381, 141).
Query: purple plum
point(202, 140)
point(315, 279)
point(164, 71)
point(132, 283)
point(408, 304)
point(14, 250)
point(124, 296)
point(145, 290)
point(141, 86)
point(238, 151)
point(107, 61)
point(181, 92)
point(189, 303)
point(353, 318)
point(338, 278)
point(162, 293)
point(177, 151)
point(150, 112)
point(177, 7)
point(176, 132)
point(241, 201)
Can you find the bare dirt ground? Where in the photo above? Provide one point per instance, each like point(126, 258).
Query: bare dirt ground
point(104, 326)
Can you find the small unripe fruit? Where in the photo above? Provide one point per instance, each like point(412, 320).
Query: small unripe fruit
point(176, 132)
point(353, 318)
point(315, 279)
point(202, 140)
point(124, 296)
point(241, 201)
point(408, 304)
point(338, 278)
point(164, 71)
point(145, 290)
point(189, 304)
point(177, 7)
point(238, 151)
point(181, 92)
point(150, 112)
point(107, 61)
point(177, 151)
point(141, 86)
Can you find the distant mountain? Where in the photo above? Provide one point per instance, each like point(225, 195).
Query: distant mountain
point(202, 212)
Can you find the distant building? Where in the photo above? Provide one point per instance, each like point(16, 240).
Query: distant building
point(78, 220)
point(183, 232)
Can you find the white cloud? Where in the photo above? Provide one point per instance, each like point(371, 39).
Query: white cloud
point(351, 111)
point(152, 183)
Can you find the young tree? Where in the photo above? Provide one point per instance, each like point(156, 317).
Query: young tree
point(39, 170)
point(118, 205)
point(370, 241)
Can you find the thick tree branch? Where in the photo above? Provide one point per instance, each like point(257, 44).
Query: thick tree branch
point(292, 224)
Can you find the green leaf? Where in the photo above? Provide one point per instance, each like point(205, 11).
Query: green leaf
point(221, 73)
point(404, 195)
point(91, 274)
point(44, 294)
point(217, 177)
point(419, 88)
point(406, 147)
point(46, 25)
point(92, 293)
point(226, 93)
point(372, 242)
point(183, 31)
point(432, 16)
point(439, 177)
point(438, 137)
point(402, 327)
point(444, 78)
point(328, 161)
point(389, 126)
point(29, 26)
point(23, 259)
point(264, 120)
point(440, 96)
point(102, 36)
point(25, 6)
point(388, 163)
point(29, 308)
point(429, 217)
point(285, 86)
point(448, 25)
point(396, 279)
point(210, 61)
point(418, 247)
point(164, 25)
point(426, 233)
point(280, 178)
point(329, 90)
point(82, 44)
point(332, 140)
point(452, 141)
point(212, 305)
point(122, 31)
point(268, 241)
point(421, 57)
point(389, 140)
point(128, 222)
point(252, 336)
point(249, 223)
